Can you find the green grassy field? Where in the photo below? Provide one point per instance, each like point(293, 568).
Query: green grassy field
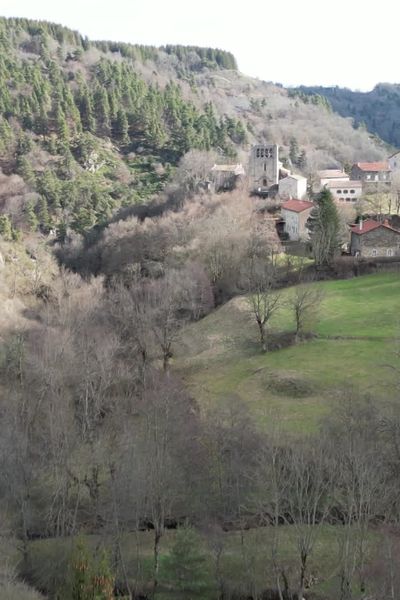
point(245, 559)
point(358, 326)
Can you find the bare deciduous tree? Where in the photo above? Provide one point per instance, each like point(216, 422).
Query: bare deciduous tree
point(263, 299)
point(304, 303)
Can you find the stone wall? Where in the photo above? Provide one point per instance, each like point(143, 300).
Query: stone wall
point(376, 243)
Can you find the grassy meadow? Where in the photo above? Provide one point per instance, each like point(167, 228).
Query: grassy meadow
point(357, 327)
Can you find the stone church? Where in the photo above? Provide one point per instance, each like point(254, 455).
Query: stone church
point(264, 168)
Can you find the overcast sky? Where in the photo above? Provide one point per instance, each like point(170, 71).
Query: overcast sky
point(341, 42)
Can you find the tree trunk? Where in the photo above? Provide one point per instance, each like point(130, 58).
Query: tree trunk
point(118, 533)
point(263, 337)
point(303, 568)
point(157, 538)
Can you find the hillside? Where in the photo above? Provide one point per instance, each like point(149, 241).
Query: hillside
point(297, 385)
point(89, 127)
point(148, 447)
point(377, 110)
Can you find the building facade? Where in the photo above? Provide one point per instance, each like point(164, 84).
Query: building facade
point(371, 238)
point(295, 214)
point(394, 161)
point(225, 177)
point(328, 175)
point(371, 174)
point(293, 186)
point(263, 168)
point(345, 192)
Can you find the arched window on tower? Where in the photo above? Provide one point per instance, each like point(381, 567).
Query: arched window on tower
point(258, 153)
point(264, 182)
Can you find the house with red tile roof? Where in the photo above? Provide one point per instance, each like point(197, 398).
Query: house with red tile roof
point(372, 173)
point(371, 238)
point(295, 214)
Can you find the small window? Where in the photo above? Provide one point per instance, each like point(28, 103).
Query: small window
point(258, 153)
point(262, 152)
point(368, 176)
point(265, 166)
point(345, 191)
point(389, 252)
point(374, 252)
point(352, 191)
point(338, 191)
point(348, 199)
point(264, 182)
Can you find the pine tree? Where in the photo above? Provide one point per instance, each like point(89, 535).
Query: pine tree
point(25, 170)
point(103, 580)
point(80, 586)
point(185, 566)
point(294, 151)
point(42, 212)
point(62, 127)
point(31, 217)
point(302, 160)
point(324, 228)
point(49, 187)
point(6, 229)
point(121, 127)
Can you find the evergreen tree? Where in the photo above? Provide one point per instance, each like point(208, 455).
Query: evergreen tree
point(49, 187)
point(43, 216)
point(80, 584)
point(31, 217)
point(25, 170)
point(102, 579)
point(185, 566)
point(121, 127)
point(302, 160)
point(294, 151)
point(324, 228)
point(6, 229)
point(62, 127)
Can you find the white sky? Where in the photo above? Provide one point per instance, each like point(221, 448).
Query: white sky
point(349, 43)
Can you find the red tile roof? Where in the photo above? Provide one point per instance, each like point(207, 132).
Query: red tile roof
point(297, 205)
point(373, 166)
point(370, 225)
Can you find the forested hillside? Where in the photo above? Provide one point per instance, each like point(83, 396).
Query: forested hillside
point(137, 305)
point(87, 127)
point(377, 110)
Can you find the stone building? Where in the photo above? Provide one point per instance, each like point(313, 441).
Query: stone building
point(225, 177)
point(394, 161)
point(372, 174)
point(293, 186)
point(264, 168)
point(295, 214)
point(348, 192)
point(370, 238)
point(328, 175)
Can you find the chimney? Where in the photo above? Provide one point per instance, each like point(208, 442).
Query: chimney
point(360, 224)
